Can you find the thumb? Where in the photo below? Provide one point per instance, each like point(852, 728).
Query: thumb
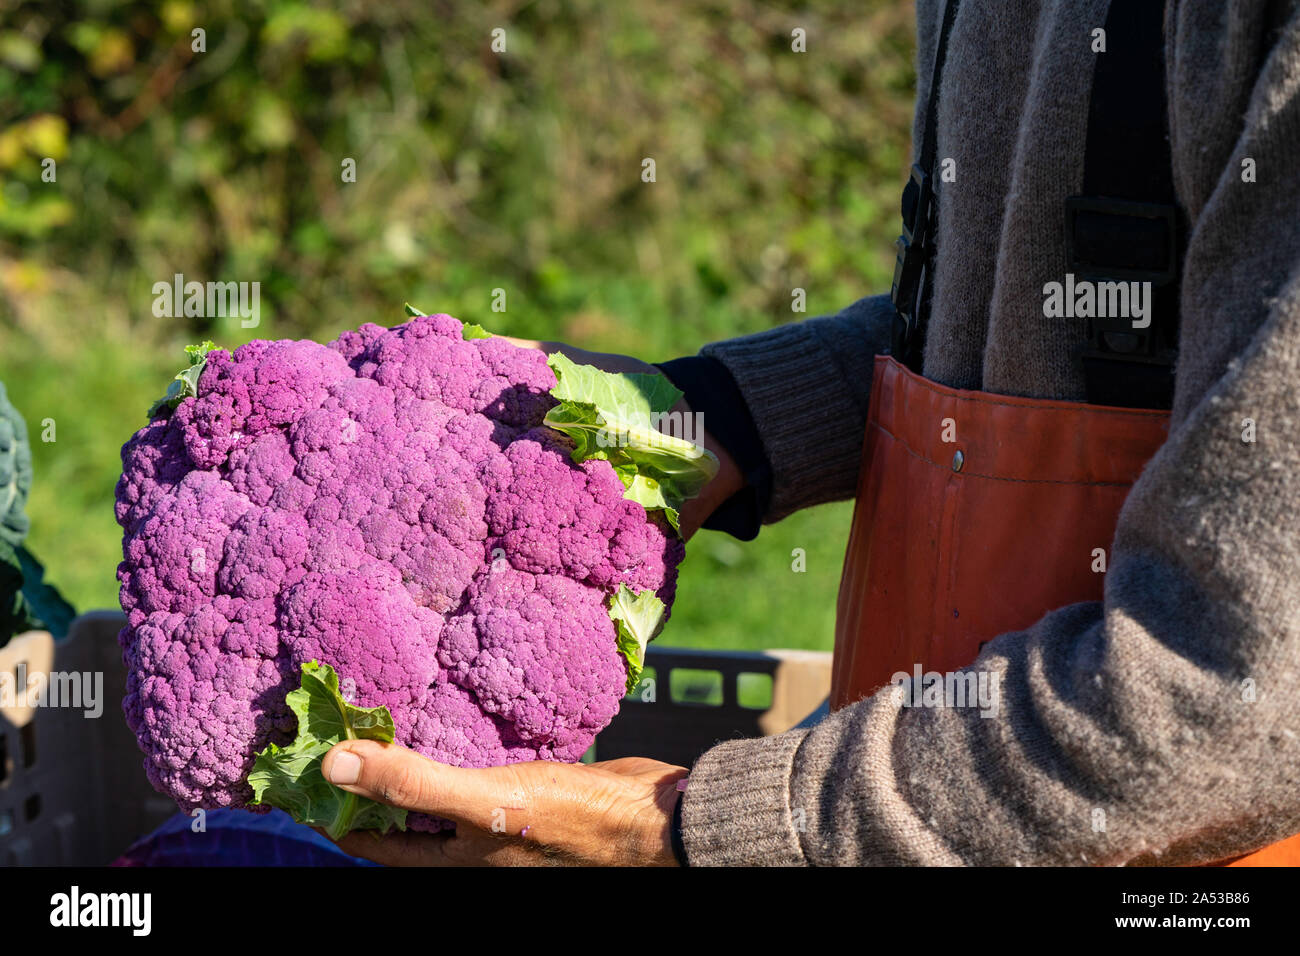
point(402, 778)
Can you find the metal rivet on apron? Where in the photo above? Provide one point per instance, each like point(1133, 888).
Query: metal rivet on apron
point(957, 461)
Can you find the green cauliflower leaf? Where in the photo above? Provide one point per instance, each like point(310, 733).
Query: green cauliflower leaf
point(613, 417)
point(186, 382)
point(638, 619)
point(290, 777)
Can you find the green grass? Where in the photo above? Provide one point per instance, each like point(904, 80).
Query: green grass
point(94, 398)
point(742, 596)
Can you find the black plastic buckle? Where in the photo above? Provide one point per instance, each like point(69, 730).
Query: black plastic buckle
point(910, 253)
point(1105, 237)
point(1118, 240)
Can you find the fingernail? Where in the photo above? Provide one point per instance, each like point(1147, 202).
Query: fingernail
point(345, 768)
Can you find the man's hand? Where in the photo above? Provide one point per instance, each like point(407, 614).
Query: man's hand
point(725, 483)
point(618, 812)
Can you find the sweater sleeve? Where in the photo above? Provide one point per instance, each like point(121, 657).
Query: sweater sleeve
point(712, 393)
point(806, 385)
point(1162, 724)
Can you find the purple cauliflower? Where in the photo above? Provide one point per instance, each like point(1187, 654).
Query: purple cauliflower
point(396, 506)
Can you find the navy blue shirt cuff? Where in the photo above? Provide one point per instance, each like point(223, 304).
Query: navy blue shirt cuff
point(710, 389)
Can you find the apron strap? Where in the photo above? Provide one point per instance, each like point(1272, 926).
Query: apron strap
point(914, 249)
point(1126, 225)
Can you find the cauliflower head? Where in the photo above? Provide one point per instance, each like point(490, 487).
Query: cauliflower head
point(393, 505)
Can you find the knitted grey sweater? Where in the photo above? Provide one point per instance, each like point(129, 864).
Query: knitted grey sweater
point(1138, 705)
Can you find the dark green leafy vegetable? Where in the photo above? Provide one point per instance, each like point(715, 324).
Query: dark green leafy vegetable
point(15, 471)
point(26, 602)
point(48, 609)
point(15, 614)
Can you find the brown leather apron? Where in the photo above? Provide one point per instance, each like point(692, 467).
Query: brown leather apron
point(977, 514)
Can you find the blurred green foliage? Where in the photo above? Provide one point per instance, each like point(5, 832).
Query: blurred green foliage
point(475, 170)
